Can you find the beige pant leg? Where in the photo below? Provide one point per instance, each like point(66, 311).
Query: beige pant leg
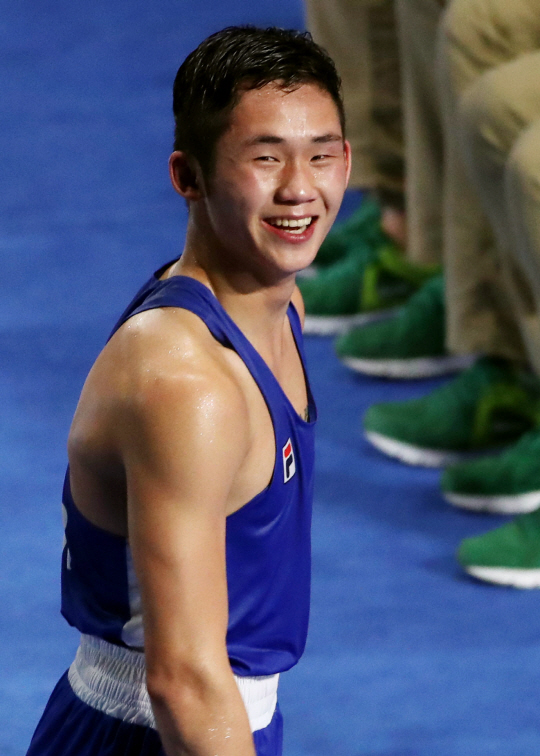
point(417, 30)
point(522, 183)
point(476, 35)
point(360, 36)
point(500, 131)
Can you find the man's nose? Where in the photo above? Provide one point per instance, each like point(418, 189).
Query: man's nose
point(296, 184)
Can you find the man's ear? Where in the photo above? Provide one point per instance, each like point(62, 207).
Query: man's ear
point(186, 176)
point(348, 158)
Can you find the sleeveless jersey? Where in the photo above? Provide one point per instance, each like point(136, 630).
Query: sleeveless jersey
point(268, 550)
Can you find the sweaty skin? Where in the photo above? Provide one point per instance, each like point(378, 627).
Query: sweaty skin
point(171, 433)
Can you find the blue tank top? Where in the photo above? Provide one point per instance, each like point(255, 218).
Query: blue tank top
point(268, 552)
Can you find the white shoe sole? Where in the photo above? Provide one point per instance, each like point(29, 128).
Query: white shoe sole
point(422, 367)
point(518, 578)
point(416, 455)
point(507, 505)
point(335, 325)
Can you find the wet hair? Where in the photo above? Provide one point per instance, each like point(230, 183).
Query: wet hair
point(210, 81)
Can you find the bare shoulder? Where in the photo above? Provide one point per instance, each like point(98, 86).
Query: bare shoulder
point(163, 373)
point(172, 359)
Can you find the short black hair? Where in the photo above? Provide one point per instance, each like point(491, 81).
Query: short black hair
point(210, 80)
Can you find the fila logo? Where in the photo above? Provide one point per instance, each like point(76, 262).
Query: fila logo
point(289, 465)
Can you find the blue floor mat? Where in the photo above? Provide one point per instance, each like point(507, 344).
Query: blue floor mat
point(406, 656)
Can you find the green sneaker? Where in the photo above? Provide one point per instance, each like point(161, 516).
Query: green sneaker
point(487, 406)
point(362, 227)
point(506, 484)
point(366, 285)
point(409, 345)
point(509, 555)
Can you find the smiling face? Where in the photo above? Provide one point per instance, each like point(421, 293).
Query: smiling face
point(280, 172)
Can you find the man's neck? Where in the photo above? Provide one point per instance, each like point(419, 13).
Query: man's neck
point(258, 308)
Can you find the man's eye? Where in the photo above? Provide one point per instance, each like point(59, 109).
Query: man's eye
point(266, 158)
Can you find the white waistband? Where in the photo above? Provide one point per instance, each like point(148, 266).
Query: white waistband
point(112, 679)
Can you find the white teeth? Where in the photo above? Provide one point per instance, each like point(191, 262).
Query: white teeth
point(291, 222)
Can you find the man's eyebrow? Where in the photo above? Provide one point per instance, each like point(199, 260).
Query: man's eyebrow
point(271, 139)
point(265, 139)
point(327, 138)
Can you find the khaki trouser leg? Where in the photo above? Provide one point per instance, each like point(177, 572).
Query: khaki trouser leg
point(417, 29)
point(360, 37)
point(522, 183)
point(500, 132)
point(475, 36)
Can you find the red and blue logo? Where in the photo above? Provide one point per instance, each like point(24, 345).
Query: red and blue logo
point(289, 465)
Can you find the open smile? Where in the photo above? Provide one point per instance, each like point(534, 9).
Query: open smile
point(292, 229)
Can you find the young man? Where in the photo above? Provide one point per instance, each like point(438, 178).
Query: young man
point(188, 493)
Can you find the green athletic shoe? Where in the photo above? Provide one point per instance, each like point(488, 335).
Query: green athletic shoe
point(508, 483)
point(360, 228)
point(408, 345)
point(509, 555)
point(366, 285)
point(487, 406)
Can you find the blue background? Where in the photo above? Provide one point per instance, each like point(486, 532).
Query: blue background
point(406, 656)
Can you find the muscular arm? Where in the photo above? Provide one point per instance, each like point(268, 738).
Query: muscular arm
point(184, 439)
